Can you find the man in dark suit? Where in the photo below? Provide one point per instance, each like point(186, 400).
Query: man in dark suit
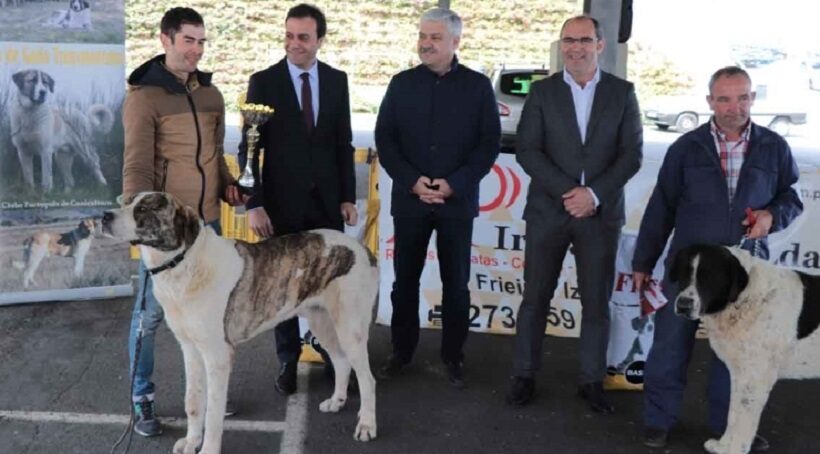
point(308, 179)
point(438, 134)
point(580, 140)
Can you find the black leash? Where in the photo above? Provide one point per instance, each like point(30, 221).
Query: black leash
point(137, 348)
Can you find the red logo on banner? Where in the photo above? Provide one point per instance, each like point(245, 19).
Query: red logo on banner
point(504, 188)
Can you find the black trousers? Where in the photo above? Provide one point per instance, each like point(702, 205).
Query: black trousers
point(288, 341)
point(453, 240)
point(595, 245)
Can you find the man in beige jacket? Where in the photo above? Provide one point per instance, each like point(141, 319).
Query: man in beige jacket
point(174, 121)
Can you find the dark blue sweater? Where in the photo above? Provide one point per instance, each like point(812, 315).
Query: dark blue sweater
point(439, 127)
point(691, 195)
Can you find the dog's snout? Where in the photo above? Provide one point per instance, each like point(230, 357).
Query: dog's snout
point(107, 217)
point(683, 305)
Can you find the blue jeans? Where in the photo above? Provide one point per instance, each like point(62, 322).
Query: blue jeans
point(666, 367)
point(151, 318)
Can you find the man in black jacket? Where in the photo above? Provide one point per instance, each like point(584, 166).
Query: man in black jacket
point(438, 134)
point(308, 179)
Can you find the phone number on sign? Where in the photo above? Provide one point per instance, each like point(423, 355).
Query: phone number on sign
point(485, 315)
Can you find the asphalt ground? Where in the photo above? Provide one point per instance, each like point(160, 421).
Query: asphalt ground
point(64, 389)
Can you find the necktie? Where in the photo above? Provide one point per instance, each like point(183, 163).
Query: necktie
point(307, 102)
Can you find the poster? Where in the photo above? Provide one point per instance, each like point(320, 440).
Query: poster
point(62, 85)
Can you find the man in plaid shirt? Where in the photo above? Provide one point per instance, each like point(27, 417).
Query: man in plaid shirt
point(708, 180)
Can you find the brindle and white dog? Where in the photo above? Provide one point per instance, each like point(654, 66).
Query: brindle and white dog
point(75, 243)
point(218, 293)
point(762, 322)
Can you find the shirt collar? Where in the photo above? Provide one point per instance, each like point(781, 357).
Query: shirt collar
point(721, 135)
point(453, 66)
point(572, 83)
point(296, 72)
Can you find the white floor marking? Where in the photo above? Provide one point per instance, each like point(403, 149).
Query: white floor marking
point(93, 418)
point(293, 440)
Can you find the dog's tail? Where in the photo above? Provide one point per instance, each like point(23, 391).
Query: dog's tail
point(101, 118)
point(21, 264)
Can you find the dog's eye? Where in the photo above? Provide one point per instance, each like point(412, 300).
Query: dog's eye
point(139, 209)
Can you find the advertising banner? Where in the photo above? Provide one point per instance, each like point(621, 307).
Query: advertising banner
point(62, 84)
point(497, 278)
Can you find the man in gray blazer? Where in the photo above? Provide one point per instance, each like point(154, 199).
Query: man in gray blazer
point(580, 140)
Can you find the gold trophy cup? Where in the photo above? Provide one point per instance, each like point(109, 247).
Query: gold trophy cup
point(253, 115)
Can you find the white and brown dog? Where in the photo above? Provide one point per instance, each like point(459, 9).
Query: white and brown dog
point(762, 322)
point(218, 293)
point(39, 129)
point(75, 243)
point(77, 15)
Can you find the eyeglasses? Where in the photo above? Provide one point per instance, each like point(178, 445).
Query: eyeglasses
point(586, 41)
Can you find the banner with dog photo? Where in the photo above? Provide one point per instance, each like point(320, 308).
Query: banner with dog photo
point(61, 143)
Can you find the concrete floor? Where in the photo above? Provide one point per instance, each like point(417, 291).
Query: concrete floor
point(68, 362)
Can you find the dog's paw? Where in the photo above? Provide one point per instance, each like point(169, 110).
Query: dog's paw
point(332, 405)
point(183, 447)
point(714, 446)
point(365, 431)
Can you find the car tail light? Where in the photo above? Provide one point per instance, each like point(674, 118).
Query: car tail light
point(503, 109)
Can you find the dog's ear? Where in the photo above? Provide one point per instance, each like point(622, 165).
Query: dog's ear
point(47, 80)
point(186, 224)
point(86, 4)
point(738, 278)
point(19, 78)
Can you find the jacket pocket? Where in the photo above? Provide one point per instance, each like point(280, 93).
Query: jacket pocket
point(759, 185)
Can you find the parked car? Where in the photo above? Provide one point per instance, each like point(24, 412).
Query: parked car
point(812, 67)
point(511, 85)
point(686, 112)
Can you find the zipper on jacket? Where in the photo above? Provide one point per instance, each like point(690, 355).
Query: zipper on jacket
point(198, 153)
point(164, 175)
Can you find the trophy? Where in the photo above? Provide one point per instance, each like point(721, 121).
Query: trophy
point(253, 115)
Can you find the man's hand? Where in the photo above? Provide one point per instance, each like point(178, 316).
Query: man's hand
point(234, 196)
point(259, 222)
point(443, 187)
point(641, 281)
point(349, 213)
point(760, 226)
point(427, 191)
point(578, 202)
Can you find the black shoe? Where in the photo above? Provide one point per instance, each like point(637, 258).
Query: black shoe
point(522, 390)
point(286, 381)
point(593, 393)
point(455, 374)
point(146, 423)
point(654, 437)
point(393, 368)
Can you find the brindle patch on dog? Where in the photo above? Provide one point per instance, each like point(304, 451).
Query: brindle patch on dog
point(281, 270)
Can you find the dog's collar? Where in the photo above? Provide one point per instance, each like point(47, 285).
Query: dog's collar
point(169, 264)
